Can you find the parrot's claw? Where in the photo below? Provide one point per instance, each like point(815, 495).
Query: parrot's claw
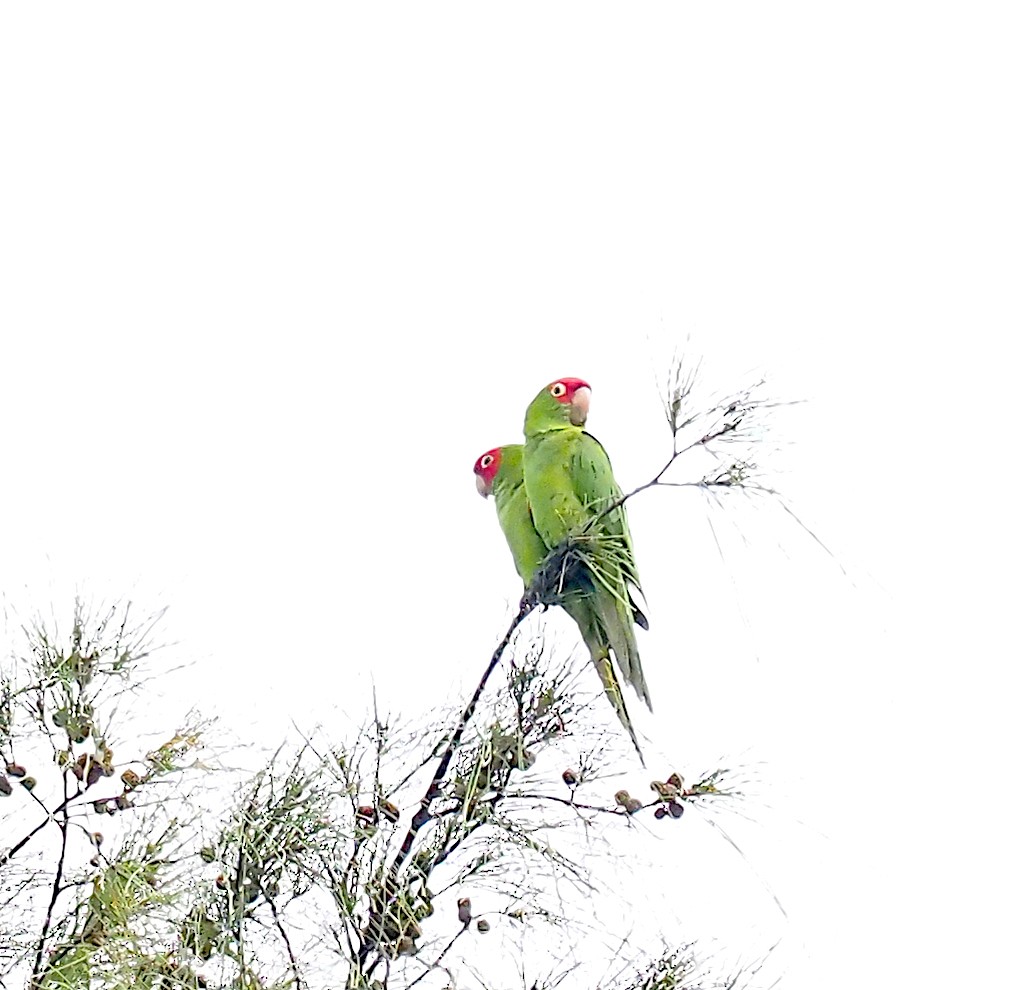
point(531, 600)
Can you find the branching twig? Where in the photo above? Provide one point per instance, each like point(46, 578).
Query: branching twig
point(734, 413)
point(55, 894)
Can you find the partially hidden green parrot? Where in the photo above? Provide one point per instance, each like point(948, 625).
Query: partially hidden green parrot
point(499, 473)
point(572, 491)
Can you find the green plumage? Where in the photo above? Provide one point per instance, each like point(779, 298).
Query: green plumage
point(594, 613)
point(525, 544)
point(570, 487)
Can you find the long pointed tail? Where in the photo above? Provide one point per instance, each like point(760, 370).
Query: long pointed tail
point(616, 623)
point(613, 689)
point(605, 622)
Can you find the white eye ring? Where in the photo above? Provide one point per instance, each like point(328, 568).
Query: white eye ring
point(558, 390)
point(486, 461)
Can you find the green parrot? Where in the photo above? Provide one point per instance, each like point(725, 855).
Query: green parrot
point(499, 472)
point(570, 486)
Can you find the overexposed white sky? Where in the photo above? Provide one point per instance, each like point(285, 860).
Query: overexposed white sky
point(271, 278)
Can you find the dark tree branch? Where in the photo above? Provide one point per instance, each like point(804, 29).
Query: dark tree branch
point(281, 928)
point(423, 814)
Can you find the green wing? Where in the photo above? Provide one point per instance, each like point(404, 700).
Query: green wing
point(572, 491)
point(595, 486)
point(595, 615)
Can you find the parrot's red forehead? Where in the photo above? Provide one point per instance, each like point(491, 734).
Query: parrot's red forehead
point(486, 466)
point(564, 389)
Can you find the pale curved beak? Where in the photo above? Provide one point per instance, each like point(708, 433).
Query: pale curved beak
point(482, 486)
point(580, 406)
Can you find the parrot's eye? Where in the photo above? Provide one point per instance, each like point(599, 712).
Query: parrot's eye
point(486, 461)
point(558, 390)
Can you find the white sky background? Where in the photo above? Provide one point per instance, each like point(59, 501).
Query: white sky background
point(272, 278)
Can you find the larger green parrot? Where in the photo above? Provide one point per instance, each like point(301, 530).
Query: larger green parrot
point(499, 472)
point(571, 490)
